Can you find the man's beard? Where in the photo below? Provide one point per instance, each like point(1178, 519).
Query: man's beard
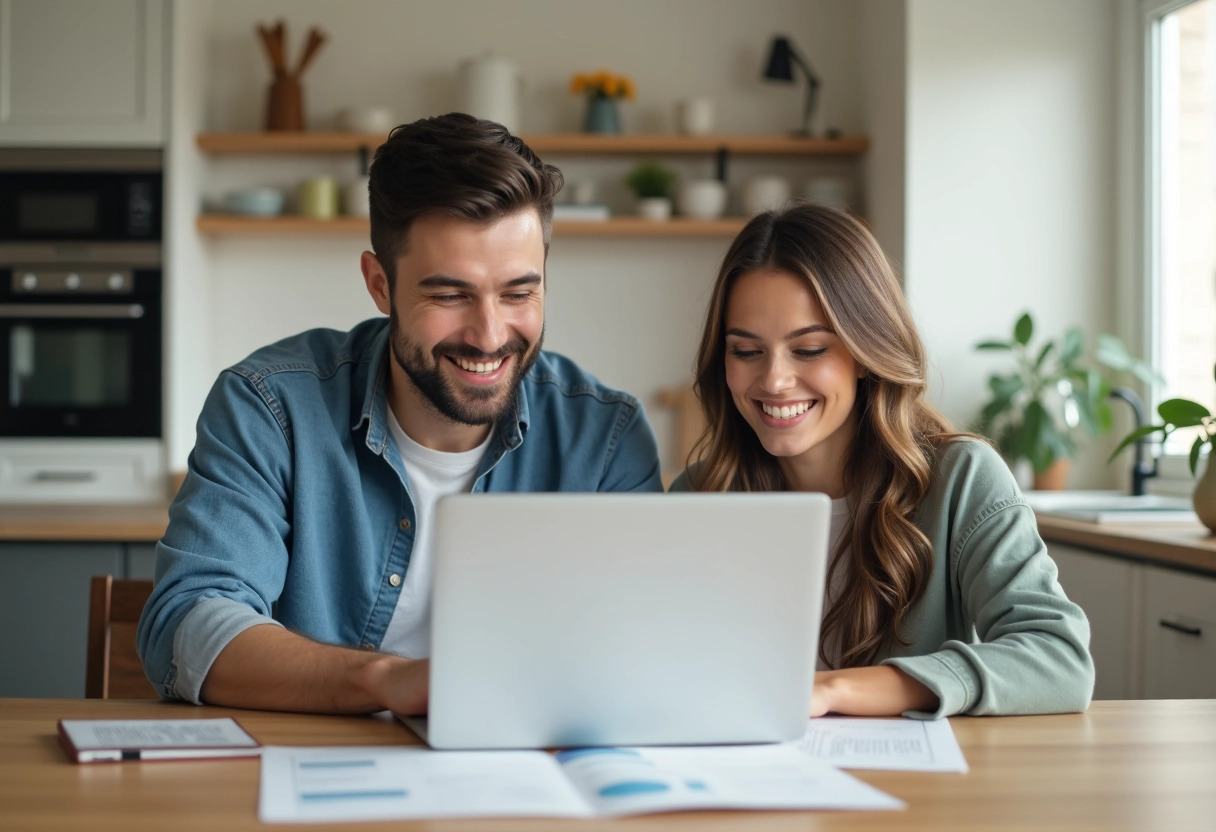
point(473, 405)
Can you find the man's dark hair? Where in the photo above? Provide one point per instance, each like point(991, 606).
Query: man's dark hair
point(457, 165)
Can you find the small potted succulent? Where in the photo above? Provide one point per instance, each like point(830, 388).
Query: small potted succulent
point(1184, 413)
point(651, 184)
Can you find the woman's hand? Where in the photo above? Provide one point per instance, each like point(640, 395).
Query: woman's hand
point(869, 691)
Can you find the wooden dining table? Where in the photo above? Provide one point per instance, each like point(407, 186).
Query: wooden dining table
point(1122, 765)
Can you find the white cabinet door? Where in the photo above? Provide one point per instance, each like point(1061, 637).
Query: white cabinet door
point(1179, 635)
point(82, 72)
point(1104, 587)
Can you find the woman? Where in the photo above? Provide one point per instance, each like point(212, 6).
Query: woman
point(941, 596)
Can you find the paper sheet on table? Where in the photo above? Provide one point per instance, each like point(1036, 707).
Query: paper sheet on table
point(883, 744)
point(349, 784)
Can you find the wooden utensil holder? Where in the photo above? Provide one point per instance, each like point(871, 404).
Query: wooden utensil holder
point(285, 103)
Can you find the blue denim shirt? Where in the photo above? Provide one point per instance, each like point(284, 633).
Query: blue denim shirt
point(296, 507)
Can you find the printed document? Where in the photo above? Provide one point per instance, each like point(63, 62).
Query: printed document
point(886, 744)
point(349, 784)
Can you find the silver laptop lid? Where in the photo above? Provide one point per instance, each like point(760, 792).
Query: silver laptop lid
point(625, 619)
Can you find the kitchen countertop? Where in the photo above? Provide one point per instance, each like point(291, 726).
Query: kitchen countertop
point(1184, 545)
point(117, 523)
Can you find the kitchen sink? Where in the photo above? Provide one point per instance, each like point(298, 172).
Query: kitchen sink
point(1111, 507)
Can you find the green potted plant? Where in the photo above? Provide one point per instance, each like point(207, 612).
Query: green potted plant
point(1054, 393)
point(1184, 413)
point(651, 184)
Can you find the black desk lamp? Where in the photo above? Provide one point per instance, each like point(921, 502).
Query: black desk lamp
point(780, 67)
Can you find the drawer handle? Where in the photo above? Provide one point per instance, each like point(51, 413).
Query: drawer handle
point(65, 476)
point(1181, 628)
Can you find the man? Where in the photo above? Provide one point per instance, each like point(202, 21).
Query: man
point(295, 572)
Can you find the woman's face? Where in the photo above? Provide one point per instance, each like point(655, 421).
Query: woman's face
point(790, 376)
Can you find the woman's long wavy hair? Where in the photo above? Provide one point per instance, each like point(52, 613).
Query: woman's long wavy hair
point(884, 559)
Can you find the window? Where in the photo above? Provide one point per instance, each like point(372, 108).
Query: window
point(1181, 190)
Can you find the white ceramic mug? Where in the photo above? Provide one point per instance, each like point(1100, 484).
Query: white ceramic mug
point(765, 193)
point(695, 116)
point(702, 199)
point(491, 88)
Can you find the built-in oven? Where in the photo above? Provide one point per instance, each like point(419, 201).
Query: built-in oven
point(80, 342)
point(81, 379)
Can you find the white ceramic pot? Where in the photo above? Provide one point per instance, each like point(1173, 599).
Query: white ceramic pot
point(702, 199)
point(657, 208)
point(765, 193)
point(490, 88)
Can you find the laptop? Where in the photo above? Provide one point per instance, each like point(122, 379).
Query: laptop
point(568, 620)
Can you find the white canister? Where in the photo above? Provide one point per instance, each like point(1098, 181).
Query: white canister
point(765, 193)
point(695, 116)
point(836, 191)
point(702, 199)
point(354, 198)
point(490, 88)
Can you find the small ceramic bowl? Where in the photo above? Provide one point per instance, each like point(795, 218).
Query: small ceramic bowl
point(255, 202)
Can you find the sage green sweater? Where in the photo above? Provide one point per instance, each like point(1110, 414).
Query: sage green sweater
point(993, 632)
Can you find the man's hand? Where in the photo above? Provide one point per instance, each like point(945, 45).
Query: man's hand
point(269, 668)
point(869, 691)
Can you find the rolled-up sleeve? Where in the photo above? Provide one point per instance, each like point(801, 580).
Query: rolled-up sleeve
point(223, 560)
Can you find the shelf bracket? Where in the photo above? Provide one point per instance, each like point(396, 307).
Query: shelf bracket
point(720, 160)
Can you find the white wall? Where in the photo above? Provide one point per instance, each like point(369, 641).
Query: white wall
point(1010, 194)
point(882, 49)
point(629, 310)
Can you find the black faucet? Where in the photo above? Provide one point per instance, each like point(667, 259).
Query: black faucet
point(1141, 468)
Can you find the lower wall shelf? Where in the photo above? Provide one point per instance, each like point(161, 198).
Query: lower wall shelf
point(225, 224)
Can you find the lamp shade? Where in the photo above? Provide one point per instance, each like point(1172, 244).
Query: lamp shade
point(779, 66)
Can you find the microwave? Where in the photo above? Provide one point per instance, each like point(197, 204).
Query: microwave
point(65, 196)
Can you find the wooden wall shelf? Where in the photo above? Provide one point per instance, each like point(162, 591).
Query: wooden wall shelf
point(224, 224)
point(318, 142)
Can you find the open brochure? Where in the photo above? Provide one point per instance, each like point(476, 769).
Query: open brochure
point(348, 784)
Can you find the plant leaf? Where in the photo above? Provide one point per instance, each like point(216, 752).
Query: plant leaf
point(1023, 329)
point(1032, 444)
point(1113, 353)
point(1043, 353)
point(1137, 434)
point(1074, 345)
point(994, 345)
point(1005, 388)
point(1182, 413)
point(1200, 441)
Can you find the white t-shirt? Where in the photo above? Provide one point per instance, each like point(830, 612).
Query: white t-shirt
point(840, 514)
point(432, 474)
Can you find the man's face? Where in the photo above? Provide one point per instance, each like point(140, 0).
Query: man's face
point(467, 312)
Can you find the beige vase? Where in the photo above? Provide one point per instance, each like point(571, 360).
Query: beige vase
point(1054, 477)
point(1204, 497)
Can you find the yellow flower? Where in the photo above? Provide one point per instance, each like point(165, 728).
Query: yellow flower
point(602, 84)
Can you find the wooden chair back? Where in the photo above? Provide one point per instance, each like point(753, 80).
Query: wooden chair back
point(113, 669)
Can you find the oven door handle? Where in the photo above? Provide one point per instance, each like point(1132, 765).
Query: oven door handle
point(92, 311)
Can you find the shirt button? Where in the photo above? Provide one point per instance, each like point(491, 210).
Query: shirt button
point(394, 579)
point(404, 524)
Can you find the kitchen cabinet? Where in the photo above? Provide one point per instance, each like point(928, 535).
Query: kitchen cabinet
point(1105, 588)
point(1153, 628)
point(44, 611)
point(82, 73)
point(574, 144)
point(1179, 635)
